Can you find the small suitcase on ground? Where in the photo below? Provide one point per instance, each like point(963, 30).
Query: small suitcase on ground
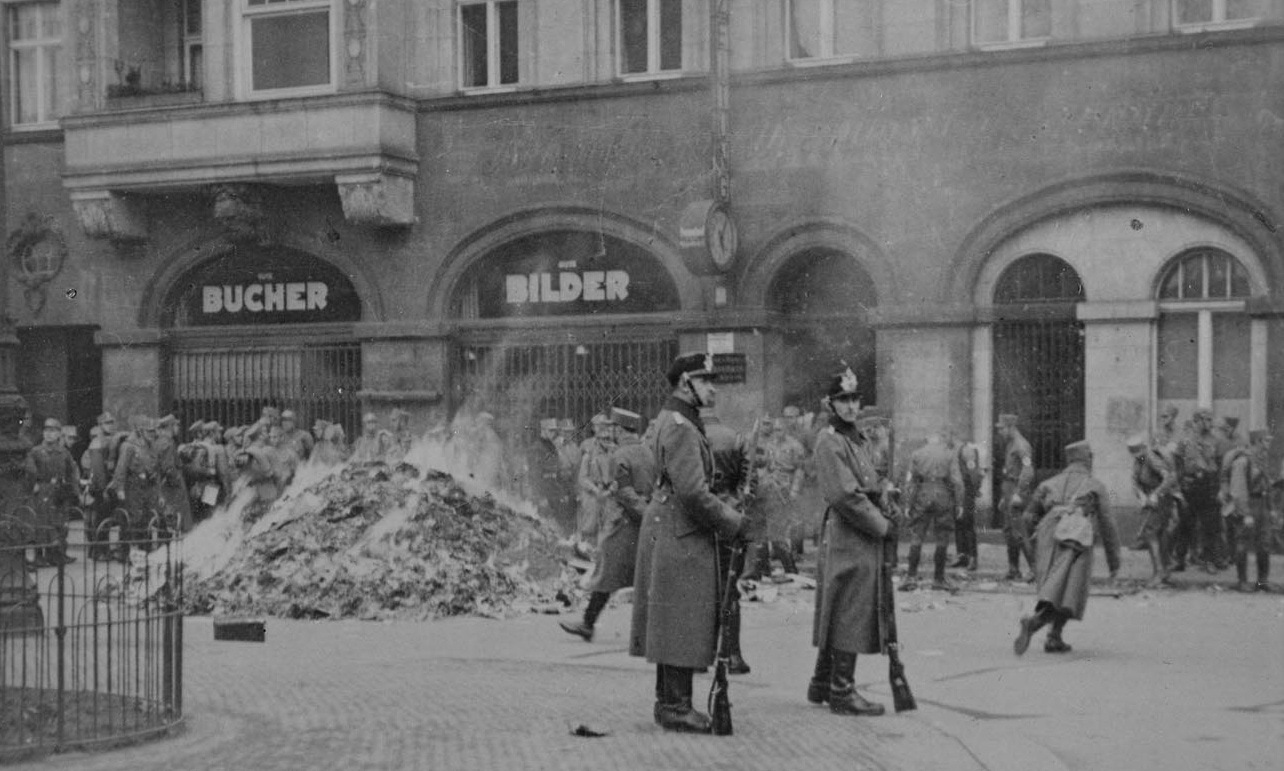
point(243, 629)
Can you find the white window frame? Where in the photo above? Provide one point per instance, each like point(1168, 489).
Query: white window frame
point(828, 37)
point(47, 111)
point(1219, 20)
point(245, 46)
point(492, 48)
point(1014, 38)
point(653, 71)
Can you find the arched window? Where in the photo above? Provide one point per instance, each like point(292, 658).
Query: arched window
point(1037, 278)
point(1204, 336)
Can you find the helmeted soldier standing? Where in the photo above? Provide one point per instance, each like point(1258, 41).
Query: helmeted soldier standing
point(100, 463)
point(1155, 482)
point(54, 483)
point(1017, 482)
point(632, 479)
point(1246, 485)
point(853, 548)
point(173, 488)
point(676, 594)
point(136, 480)
point(934, 489)
point(780, 470)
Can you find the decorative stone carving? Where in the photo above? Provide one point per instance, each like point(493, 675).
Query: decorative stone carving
point(239, 208)
point(355, 43)
point(85, 26)
point(104, 214)
point(37, 253)
point(377, 199)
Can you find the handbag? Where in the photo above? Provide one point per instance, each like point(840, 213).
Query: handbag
point(1074, 529)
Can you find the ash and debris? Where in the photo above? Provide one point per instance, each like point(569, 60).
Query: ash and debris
point(373, 541)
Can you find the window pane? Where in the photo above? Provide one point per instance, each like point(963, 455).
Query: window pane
point(50, 21)
point(192, 17)
point(25, 91)
point(1178, 343)
point(1170, 288)
point(670, 34)
point(805, 28)
point(508, 42)
point(1239, 280)
point(1036, 18)
point(49, 96)
point(633, 35)
point(854, 33)
point(23, 22)
point(290, 51)
point(1230, 356)
point(1192, 278)
point(1194, 11)
point(1217, 278)
point(1246, 9)
point(472, 25)
point(990, 22)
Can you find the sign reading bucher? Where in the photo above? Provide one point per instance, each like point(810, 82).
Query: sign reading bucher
point(264, 286)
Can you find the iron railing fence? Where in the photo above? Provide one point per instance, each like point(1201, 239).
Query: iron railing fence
point(91, 634)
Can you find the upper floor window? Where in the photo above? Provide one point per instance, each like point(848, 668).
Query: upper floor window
point(488, 44)
point(1196, 15)
point(288, 45)
point(1011, 22)
point(825, 29)
point(650, 36)
point(193, 47)
point(35, 49)
point(1205, 274)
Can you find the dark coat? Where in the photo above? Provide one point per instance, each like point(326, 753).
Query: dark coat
point(1063, 573)
point(633, 475)
point(173, 488)
point(137, 478)
point(675, 601)
point(849, 567)
point(54, 481)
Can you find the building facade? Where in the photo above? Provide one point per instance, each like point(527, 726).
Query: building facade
point(1068, 210)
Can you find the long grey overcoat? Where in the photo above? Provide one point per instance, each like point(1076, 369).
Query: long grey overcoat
point(1063, 573)
point(675, 599)
point(633, 476)
point(849, 574)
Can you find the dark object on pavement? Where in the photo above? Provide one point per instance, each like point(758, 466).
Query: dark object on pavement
point(589, 731)
point(242, 629)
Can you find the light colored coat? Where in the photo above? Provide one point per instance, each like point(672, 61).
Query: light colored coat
point(1063, 573)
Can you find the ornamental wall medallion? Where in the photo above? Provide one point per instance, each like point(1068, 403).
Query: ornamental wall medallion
point(37, 253)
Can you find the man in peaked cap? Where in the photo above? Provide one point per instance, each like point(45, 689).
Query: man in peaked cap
point(1016, 483)
point(545, 468)
point(1156, 482)
point(1246, 490)
point(294, 437)
point(1063, 570)
point(594, 476)
point(676, 600)
point(54, 483)
point(1199, 533)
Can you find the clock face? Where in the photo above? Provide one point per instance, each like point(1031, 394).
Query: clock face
point(720, 232)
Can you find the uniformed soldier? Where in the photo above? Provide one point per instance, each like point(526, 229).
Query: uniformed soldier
point(374, 442)
point(1246, 487)
point(1063, 571)
point(173, 488)
point(853, 549)
point(298, 439)
point(54, 484)
point(1017, 482)
point(594, 476)
point(633, 477)
point(970, 466)
point(402, 436)
point(1156, 483)
point(258, 463)
point(780, 474)
point(544, 465)
point(732, 468)
point(676, 595)
point(201, 471)
point(934, 489)
point(136, 481)
point(1199, 534)
point(99, 461)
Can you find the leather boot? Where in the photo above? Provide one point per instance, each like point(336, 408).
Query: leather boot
point(786, 557)
point(1264, 572)
point(1014, 562)
point(939, 581)
point(736, 664)
point(676, 713)
point(1029, 625)
point(1054, 643)
point(659, 692)
point(818, 688)
point(843, 699)
point(1241, 573)
point(911, 574)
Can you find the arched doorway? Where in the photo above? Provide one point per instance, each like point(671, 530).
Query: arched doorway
point(563, 323)
point(258, 326)
point(1039, 356)
point(825, 297)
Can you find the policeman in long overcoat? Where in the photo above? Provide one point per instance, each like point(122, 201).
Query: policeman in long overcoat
point(54, 482)
point(848, 570)
point(1063, 571)
point(632, 479)
point(676, 598)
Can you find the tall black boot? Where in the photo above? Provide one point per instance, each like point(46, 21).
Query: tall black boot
point(843, 699)
point(1054, 643)
point(1014, 560)
point(1264, 571)
point(818, 688)
point(597, 601)
point(1029, 625)
point(973, 551)
point(939, 581)
point(736, 664)
point(785, 553)
point(911, 575)
point(676, 712)
point(1241, 573)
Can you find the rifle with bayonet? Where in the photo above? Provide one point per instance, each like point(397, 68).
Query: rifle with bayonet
point(902, 698)
point(719, 692)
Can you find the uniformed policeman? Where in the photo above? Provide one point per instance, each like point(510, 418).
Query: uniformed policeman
point(1246, 486)
point(632, 479)
point(1017, 482)
point(849, 571)
point(676, 595)
point(934, 489)
point(1155, 482)
point(54, 482)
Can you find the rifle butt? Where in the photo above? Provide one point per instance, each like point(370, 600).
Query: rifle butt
point(902, 698)
point(721, 716)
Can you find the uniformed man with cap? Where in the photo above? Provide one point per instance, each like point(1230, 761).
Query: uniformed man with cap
point(544, 466)
point(594, 476)
point(973, 471)
point(934, 489)
point(632, 479)
point(54, 483)
point(294, 437)
point(1155, 482)
point(374, 442)
point(1246, 491)
point(1063, 570)
point(136, 481)
point(1199, 533)
point(1016, 483)
point(676, 595)
point(854, 546)
point(568, 459)
point(173, 487)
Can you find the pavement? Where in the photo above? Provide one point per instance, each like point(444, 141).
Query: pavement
point(1182, 678)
